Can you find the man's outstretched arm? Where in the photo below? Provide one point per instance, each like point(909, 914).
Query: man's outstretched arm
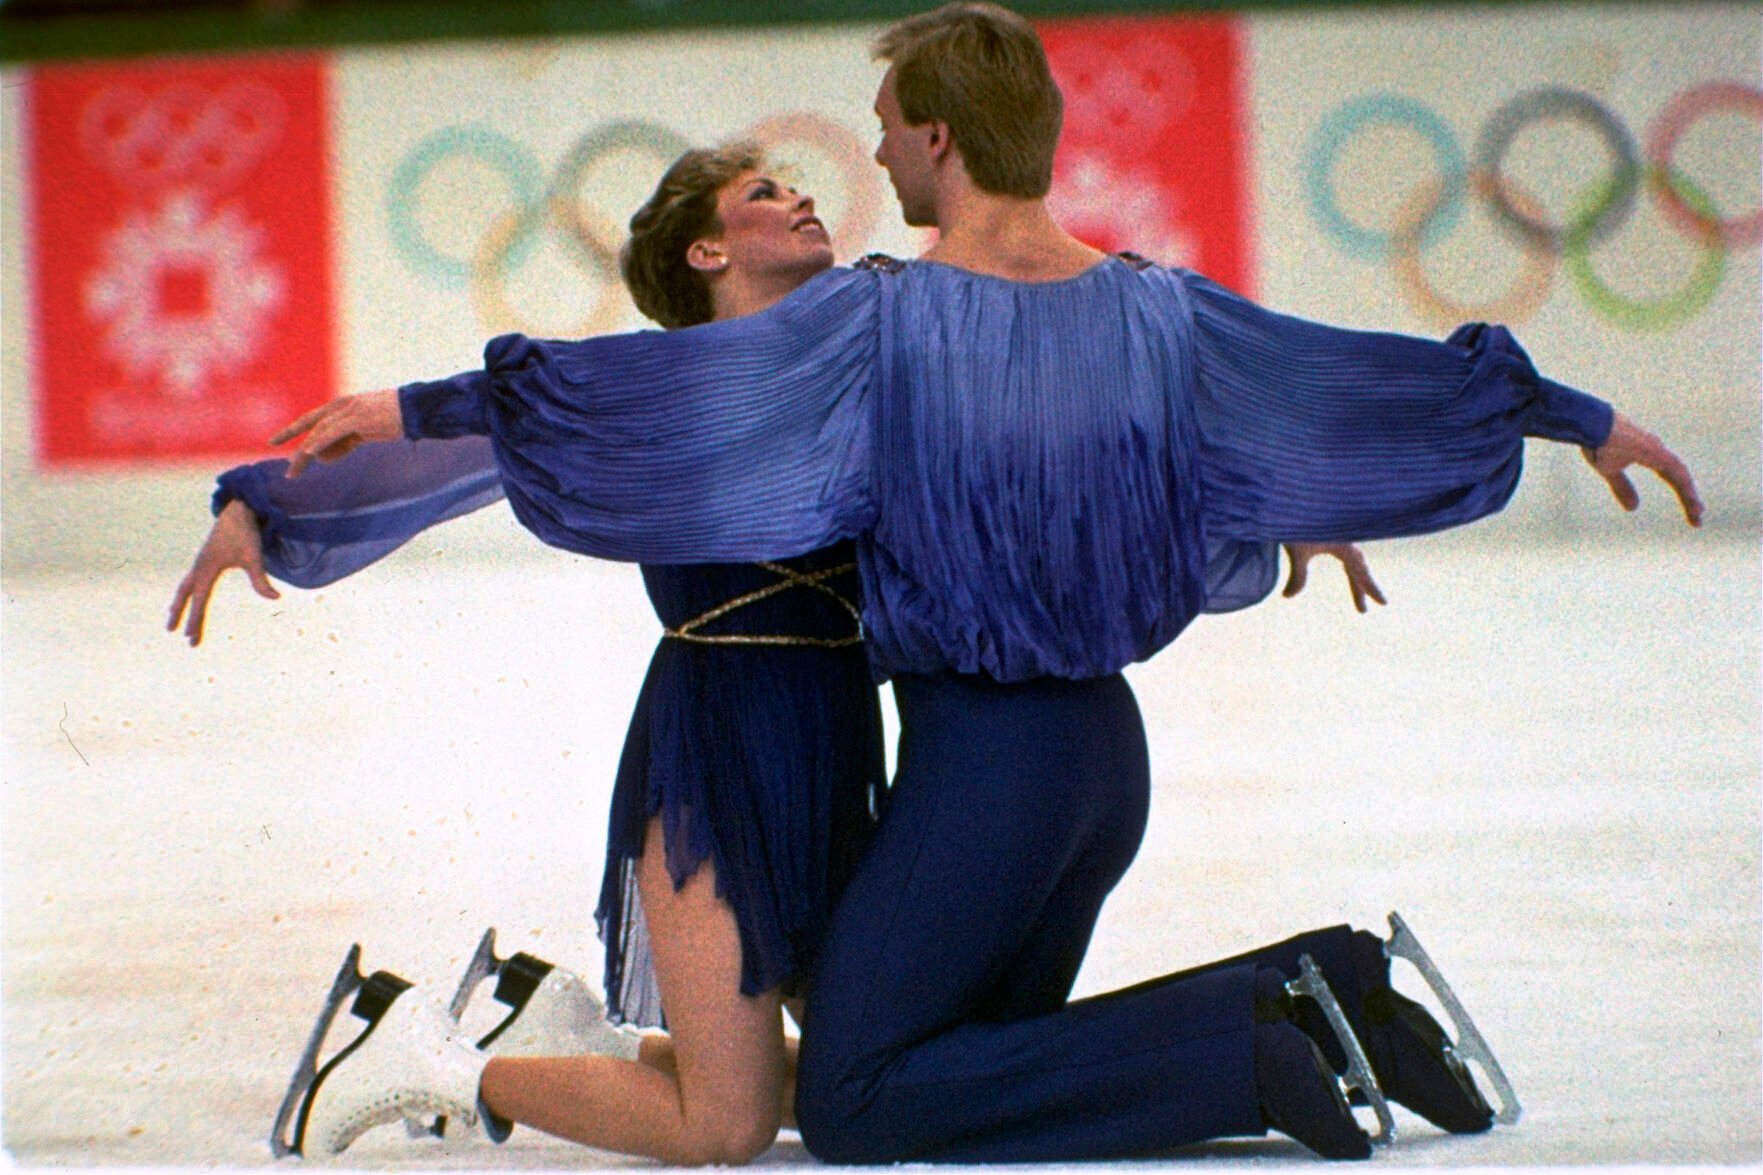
point(1316, 433)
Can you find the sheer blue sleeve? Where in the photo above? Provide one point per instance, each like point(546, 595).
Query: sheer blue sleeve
point(339, 516)
point(1315, 433)
point(1239, 573)
point(737, 440)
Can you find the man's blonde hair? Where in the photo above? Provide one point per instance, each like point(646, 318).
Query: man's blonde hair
point(682, 210)
point(980, 69)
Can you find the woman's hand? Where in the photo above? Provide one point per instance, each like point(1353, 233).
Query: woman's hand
point(1352, 561)
point(234, 541)
point(336, 429)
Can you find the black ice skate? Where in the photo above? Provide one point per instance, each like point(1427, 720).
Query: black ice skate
point(406, 1064)
point(1358, 1082)
point(1470, 1045)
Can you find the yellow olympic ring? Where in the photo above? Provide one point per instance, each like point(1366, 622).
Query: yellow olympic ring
point(490, 266)
point(1529, 290)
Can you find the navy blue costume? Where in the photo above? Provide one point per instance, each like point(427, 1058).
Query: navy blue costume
point(765, 758)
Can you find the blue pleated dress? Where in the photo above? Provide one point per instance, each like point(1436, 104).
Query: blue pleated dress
point(757, 736)
point(764, 759)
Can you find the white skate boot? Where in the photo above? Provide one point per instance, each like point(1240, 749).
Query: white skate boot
point(408, 1064)
point(552, 1012)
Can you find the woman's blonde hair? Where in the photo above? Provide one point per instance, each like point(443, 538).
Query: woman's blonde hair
point(682, 210)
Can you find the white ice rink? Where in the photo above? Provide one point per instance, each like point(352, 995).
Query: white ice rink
point(1546, 756)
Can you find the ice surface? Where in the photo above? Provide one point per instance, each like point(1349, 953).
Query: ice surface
point(1546, 758)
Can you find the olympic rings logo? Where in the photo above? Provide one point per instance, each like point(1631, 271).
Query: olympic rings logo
point(1432, 211)
point(570, 207)
point(182, 135)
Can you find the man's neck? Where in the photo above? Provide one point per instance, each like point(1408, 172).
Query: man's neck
point(1006, 236)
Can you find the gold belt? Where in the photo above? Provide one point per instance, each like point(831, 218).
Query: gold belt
point(791, 578)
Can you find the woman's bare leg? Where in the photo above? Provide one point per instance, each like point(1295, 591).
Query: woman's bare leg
point(722, 1102)
point(656, 1051)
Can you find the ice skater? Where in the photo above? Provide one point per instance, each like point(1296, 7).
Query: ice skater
point(1052, 461)
point(754, 767)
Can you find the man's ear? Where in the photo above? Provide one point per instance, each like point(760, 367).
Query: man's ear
point(706, 255)
point(940, 141)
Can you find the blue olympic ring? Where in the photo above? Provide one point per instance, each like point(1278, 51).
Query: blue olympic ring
point(1331, 137)
point(513, 162)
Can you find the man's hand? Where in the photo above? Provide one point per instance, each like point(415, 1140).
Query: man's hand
point(234, 541)
point(1352, 561)
point(1630, 444)
point(336, 429)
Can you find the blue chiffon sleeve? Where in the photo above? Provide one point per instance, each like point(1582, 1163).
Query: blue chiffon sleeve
point(728, 442)
point(340, 516)
point(1314, 433)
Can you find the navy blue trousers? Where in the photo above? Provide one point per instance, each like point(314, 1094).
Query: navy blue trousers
point(937, 1026)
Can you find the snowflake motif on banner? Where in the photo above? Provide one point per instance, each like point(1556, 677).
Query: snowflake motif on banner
point(183, 293)
point(1115, 211)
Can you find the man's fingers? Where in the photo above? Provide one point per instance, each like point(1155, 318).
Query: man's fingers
point(1677, 475)
point(341, 449)
point(260, 581)
point(1300, 573)
point(1365, 584)
point(198, 613)
point(327, 441)
point(301, 425)
point(1624, 490)
point(178, 601)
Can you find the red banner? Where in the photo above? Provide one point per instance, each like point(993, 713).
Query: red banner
point(182, 255)
point(1154, 158)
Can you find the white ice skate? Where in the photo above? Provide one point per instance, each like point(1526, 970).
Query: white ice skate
point(1358, 1076)
point(552, 1012)
point(1470, 1045)
point(409, 1063)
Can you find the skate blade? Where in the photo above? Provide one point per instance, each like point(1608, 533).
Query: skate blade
point(483, 965)
point(1470, 1044)
point(373, 995)
point(1358, 1075)
point(349, 979)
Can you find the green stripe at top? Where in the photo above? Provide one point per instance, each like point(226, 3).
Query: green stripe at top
point(35, 34)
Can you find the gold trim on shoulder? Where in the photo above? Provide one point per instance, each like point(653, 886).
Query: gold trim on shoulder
point(789, 578)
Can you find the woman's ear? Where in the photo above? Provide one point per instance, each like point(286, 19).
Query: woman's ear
point(706, 255)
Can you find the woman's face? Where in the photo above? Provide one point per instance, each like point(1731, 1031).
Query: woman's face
point(769, 229)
